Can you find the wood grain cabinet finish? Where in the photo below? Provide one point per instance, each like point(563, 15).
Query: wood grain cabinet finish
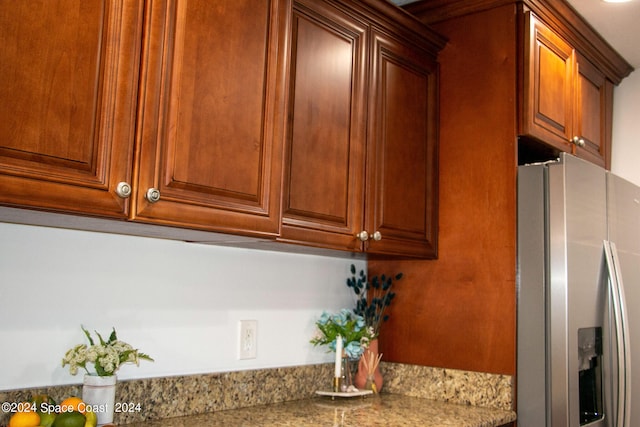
point(593, 114)
point(361, 167)
point(459, 311)
point(568, 102)
point(211, 114)
point(402, 175)
point(191, 102)
point(68, 83)
point(165, 96)
point(323, 191)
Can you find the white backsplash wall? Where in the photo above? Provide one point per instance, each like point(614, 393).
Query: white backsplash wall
point(179, 302)
point(625, 157)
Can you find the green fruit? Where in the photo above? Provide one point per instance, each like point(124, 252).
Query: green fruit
point(47, 419)
point(69, 419)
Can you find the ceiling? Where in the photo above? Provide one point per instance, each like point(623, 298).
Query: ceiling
point(618, 23)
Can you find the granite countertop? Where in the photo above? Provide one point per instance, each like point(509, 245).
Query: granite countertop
point(412, 396)
point(381, 410)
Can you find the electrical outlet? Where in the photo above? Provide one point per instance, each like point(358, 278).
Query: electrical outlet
point(248, 339)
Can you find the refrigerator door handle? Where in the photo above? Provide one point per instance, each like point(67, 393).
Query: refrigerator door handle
point(623, 356)
point(625, 332)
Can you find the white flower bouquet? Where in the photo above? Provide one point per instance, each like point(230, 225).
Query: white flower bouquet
point(106, 356)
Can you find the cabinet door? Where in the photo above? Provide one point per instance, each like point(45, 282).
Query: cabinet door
point(324, 173)
point(402, 166)
point(68, 82)
point(594, 101)
point(548, 86)
point(211, 116)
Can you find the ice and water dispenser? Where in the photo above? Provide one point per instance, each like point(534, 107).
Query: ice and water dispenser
point(590, 383)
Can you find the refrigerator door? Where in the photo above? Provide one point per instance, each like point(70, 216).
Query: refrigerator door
point(562, 295)
point(577, 296)
point(531, 325)
point(624, 232)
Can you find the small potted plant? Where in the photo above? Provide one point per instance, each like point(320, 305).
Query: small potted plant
point(348, 327)
point(107, 357)
point(346, 324)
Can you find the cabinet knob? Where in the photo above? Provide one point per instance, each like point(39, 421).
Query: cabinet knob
point(578, 141)
point(363, 236)
point(123, 190)
point(152, 195)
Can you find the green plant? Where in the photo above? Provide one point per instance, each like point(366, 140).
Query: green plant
point(347, 325)
point(372, 297)
point(107, 356)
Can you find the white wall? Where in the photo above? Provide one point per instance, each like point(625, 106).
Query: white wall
point(179, 302)
point(625, 160)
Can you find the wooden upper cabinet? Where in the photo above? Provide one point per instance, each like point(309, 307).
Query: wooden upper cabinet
point(324, 174)
point(68, 79)
point(549, 85)
point(313, 122)
point(211, 114)
point(402, 166)
point(568, 102)
point(593, 115)
point(361, 168)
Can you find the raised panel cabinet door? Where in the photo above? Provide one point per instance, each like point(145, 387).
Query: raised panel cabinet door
point(402, 165)
point(212, 115)
point(323, 181)
point(68, 83)
point(594, 102)
point(548, 85)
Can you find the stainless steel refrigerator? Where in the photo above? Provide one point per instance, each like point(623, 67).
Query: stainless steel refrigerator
point(578, 296)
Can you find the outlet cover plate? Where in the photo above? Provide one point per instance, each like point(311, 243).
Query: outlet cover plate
point(248, 339)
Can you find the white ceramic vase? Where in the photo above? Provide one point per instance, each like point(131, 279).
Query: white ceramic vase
point(100, 394)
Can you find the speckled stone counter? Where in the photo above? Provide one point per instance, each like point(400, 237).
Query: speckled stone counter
point(384, 410)
point(466, 395)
